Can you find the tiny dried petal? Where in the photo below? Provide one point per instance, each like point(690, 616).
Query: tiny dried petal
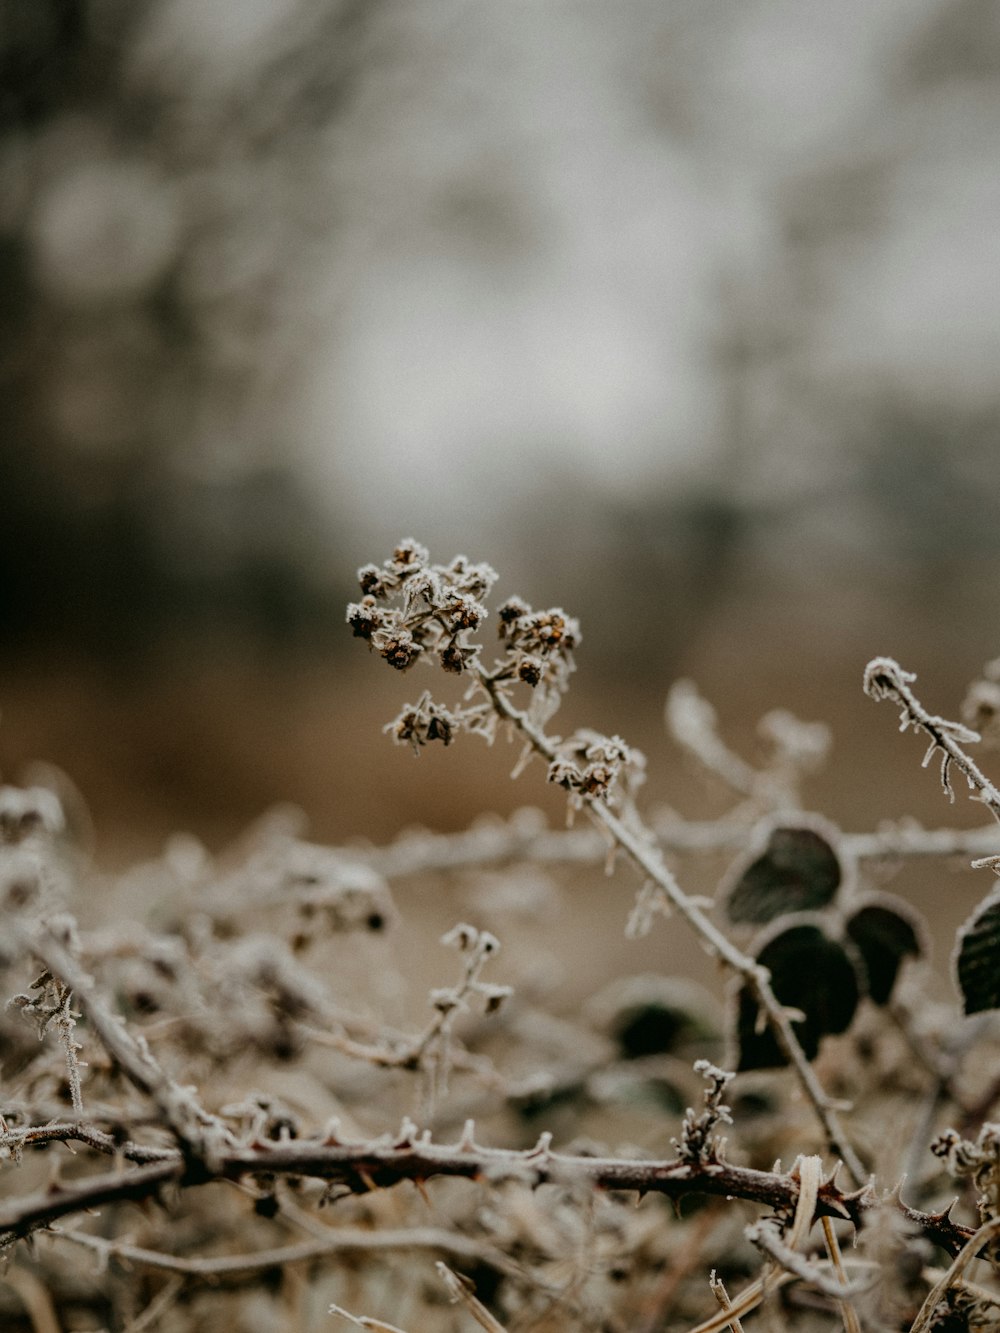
point(454, 657)
point(564, 774)
point(409, 554)
point(529, 669)
point(513, 609)
point(372, 581)
point(401, 651)
point(466, 613)
point(364, 618)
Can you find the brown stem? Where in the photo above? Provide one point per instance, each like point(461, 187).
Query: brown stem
point(360, 1167)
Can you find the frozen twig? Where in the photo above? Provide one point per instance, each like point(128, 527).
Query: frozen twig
point(767, 1237)
point(524, 839)
point(15, 1140)
point(337, 1240)
point(199, 1134)
point(885, 679)
point(691, 721)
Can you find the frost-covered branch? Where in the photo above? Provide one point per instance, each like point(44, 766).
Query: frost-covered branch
point(885, 679)
point(651, 866)
point(338, 1240)
point(199, 1134)
point(359, 1167)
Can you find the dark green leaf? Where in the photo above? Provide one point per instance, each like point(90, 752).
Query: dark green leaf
point(884, 935)
point(809, 972)
point(798, 872)
point(977, 959)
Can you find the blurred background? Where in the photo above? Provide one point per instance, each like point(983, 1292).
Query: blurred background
point(681, 313)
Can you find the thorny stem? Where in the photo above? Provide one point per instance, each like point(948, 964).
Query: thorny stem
point(195, 1130)
point(16, 1140)
point(885, 679)
point(649, 862)
point(358, 1167)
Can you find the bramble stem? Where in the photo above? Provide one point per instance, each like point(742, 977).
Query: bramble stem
point(647, 859)
point(380, 1163)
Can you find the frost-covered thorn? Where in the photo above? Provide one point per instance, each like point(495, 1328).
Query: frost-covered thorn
point(543, 1148)
point(467, 1143)
point(331, 1134)
point(407, 1133)
point(895, 1195)
point(829, 1181)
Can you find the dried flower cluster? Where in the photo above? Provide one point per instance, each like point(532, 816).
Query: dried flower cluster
point(292, 1144)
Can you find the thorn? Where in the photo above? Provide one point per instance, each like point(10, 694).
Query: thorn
point(945, 1215)
point(407, 1132)
point(895, 1195)
point(467, 1143)
point(863, 1194)
point(830, 1181)
point(837, 1208)
point(543, 1147)
point(331, 1138)
point(422, 1191)
point(366, 1180)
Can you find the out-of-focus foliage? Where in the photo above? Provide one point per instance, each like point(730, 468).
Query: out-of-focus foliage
point(276, 272)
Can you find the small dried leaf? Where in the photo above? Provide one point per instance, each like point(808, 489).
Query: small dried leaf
point(885, 931)
point(799, 871)
point(977, 957)
point(810, 973)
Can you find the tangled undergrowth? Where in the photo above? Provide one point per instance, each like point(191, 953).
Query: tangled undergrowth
point(227, 1113)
